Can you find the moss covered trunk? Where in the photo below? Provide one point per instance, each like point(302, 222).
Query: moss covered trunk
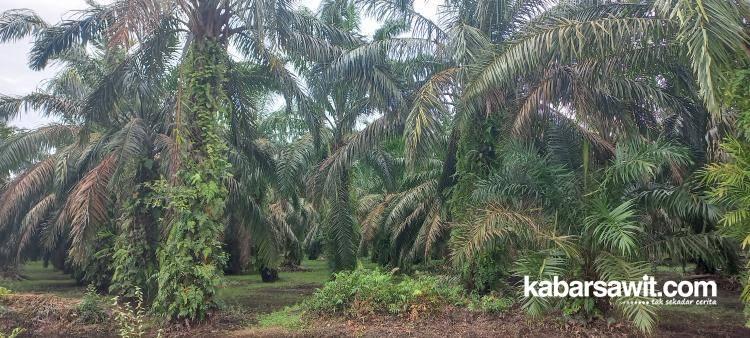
point(192, 259)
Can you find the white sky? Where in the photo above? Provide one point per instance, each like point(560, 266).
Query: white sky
point(16, 78)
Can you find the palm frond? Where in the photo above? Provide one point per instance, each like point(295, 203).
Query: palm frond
point(32, 222)
point(614, 228)
point(423, 129)
point(28, 145)
point(87, 207)
point(55, 40)
point(16, 24)
point(325, 179)
point(713, 32)
point(564, 40)
point(24, 189)
point(47, 104)
point(639, 310)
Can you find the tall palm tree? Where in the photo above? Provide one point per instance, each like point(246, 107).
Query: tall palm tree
point(527, 66)
point(266, 199)
point(586, 73)
point(9, 268)
point(258, 31)
point(91, 154)
point(264, 32)
point(360, 85)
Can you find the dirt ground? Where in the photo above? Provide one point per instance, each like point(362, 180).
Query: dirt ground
point(461, 323)
point(450, 322)
point(45, 305)
point(46, 316)
point(52, 316)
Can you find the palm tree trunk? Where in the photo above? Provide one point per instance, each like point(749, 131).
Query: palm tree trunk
point(134, 257)
point(192, 258)
point(237, 239)
point(9, 270)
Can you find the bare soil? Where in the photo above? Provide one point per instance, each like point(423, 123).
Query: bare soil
point(449, 322)
point(53, 316)
point(47, 316)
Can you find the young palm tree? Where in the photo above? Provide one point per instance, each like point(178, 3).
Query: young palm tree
point(728, 180)
point(347, 94)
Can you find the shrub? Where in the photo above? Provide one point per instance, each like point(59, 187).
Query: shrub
point(487, 271)
point(5, 291)
point(13, 334)
point(580, 307)
point(314, 249)
point(131, 320)
point(491, 303)
point(90, 309)
point(372, 291)
point(289, 318)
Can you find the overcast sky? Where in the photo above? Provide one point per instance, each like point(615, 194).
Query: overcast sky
point(16, 78)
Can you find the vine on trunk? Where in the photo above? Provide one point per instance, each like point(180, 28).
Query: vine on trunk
point(192, 258)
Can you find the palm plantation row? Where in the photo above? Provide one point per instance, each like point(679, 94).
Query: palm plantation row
point(585, 139)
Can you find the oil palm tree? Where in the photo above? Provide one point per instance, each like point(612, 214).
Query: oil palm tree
point(728, 179)
point(550, 93)
point(346, 94)
point(144, 154)
point(266, 197)
point(259, 31)
point(493, 132)
point(523, 64)
point(91, 154)
point(9, 268)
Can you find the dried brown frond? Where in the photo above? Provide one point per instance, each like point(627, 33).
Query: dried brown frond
point(24, 189)
point(86, 206)
point(134, 19)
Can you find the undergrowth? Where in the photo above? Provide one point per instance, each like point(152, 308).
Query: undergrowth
point(91, 308)
point(131, 317)
point(290, 318)
point(5, 291)
point(13, 334)
point(361, 292)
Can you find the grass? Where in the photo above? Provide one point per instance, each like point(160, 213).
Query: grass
point(317, 273)
point(241, 290)
point(251, 292)
point(290, 318)
point(39, 279)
